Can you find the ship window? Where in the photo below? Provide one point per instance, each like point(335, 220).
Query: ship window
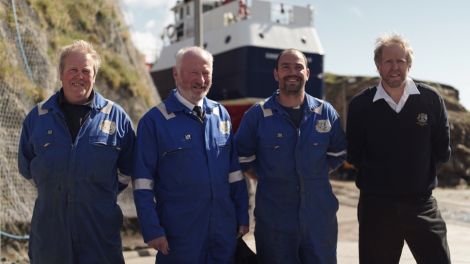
point(227, 39)
point(281, 14)
point(261, 35)
point(303, 40)
point(181, 13)
point(187, 10)
point(205, 45)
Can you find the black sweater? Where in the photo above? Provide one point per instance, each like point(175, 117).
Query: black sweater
point(397, 153)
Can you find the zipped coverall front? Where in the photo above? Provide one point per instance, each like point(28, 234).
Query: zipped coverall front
point(76, 218)
point(188, 185)
point(295, 207)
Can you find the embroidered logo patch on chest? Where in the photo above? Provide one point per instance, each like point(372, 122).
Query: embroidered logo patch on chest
point(108, 127)
point(422, 119)
point(323, 126)
point(224, 127)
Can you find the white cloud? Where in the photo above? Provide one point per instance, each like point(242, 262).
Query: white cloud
point(147, 20)
point(151, 24)
point(146, 43)
point(148, 3)
point(128, 16)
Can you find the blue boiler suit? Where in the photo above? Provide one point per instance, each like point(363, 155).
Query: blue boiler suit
point(295, 207)
point(76, 218)
point(188, 185)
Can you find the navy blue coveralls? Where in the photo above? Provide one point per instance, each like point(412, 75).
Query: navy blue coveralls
point(295, 207)
point(76, 218)
point(188, 185)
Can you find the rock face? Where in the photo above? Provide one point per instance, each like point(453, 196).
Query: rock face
point(339, 90)
point(31, 35)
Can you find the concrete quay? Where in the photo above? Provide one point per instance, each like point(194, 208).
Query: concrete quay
point(453, 203)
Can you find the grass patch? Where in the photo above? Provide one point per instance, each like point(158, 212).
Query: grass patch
point(93, 21)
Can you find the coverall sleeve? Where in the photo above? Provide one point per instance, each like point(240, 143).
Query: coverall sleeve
point(355, 134)
point(238, 189)
point(126, 155)
point(336, 153)
point(144, 174)
point(245, 140)
point(441, 133)
point(25, 149)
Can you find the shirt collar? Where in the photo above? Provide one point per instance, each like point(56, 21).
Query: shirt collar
point(62, 101)
point(311, 104)
point(187, 103)
point(410, 88)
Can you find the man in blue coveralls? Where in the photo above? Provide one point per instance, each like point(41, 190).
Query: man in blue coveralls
point(76, 148)
point(189, 191)
point(289, 143)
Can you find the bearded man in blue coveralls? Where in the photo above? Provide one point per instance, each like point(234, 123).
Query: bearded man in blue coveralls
point(189, 191)
point(76, 148)
point(289, 143)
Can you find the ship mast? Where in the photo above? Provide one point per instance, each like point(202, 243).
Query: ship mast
point(198, 36)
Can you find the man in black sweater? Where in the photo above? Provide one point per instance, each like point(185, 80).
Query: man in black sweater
point(398, 133)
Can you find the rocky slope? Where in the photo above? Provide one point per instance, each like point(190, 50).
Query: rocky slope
point(39, 28)
point(31, 35)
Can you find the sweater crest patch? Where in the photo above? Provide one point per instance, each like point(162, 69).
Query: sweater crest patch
point(422, 119)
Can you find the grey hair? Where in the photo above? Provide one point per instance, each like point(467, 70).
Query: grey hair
point(194, 50)
point(81, 46)
point(389, 39)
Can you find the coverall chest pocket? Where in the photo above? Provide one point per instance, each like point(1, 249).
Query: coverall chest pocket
point(314, 155)
point(181, 163)
point(43, 163)
point(223, 148)
point(276, 151)
point(103, 155)
point(318, 144)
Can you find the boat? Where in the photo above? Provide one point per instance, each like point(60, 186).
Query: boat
point(245, 40)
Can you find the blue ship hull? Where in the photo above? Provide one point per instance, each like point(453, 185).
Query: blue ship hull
point(245, 72)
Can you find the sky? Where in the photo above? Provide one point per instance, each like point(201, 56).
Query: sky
point(438, 31)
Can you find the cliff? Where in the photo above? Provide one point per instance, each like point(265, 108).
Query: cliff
point(33, 31)
point(31, 35)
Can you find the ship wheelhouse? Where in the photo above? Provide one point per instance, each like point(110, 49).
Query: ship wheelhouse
point(245, 41)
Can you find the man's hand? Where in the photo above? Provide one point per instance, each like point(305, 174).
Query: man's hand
point(349, 166)
point(242, 230)
point(251, 173)
point(160, 244)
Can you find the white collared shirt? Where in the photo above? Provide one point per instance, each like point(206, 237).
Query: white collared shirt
point(410, 88)
point(187, 103)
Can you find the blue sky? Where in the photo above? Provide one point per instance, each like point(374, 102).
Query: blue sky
point(438, 31)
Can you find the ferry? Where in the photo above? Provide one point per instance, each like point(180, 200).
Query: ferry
point(245, 39)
